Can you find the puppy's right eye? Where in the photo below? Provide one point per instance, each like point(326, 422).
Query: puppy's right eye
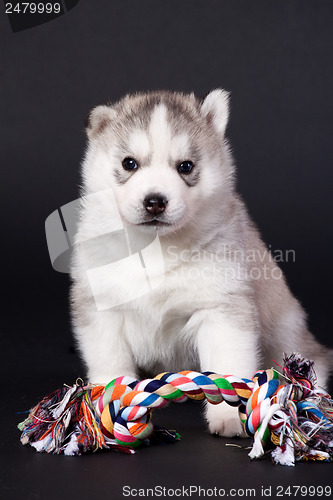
point(130, 164)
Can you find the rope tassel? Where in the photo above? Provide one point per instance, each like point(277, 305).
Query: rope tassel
point(294, 420)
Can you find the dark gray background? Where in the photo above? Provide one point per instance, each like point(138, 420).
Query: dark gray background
point(276, 59)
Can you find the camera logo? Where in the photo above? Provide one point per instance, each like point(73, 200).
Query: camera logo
point(115, 256)
point(26, 15)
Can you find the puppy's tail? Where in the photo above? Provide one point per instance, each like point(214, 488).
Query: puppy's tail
point(330, 368)
point(328, 363)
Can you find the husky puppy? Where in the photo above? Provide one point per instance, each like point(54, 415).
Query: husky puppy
point(219, 302)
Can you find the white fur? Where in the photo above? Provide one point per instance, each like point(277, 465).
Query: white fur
point(201, 309)
point(138, 144)
point(217, 104)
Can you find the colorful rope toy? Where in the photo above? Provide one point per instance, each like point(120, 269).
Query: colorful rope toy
point(294, 420)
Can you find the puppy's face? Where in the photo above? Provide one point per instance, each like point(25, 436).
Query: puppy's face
point(163, 154)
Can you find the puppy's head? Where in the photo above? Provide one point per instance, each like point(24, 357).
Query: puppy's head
point(163, 154)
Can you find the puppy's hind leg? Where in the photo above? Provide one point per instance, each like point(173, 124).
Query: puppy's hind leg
point(290, 334)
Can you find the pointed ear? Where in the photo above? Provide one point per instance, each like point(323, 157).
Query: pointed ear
point(99, 118)
point(215, 108)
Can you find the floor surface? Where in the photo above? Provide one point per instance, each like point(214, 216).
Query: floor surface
point(198, 460)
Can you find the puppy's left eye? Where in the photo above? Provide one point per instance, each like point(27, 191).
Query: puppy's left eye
point(185, 167)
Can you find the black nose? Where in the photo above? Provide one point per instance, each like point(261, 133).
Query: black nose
point(155, 203)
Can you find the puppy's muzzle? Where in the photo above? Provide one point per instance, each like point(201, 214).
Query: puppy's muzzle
point(155, 203)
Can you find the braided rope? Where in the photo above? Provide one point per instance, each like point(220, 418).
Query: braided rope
point(118, 415)
point(125, 406)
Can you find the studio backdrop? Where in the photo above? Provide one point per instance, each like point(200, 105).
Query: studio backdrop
point(60, 59)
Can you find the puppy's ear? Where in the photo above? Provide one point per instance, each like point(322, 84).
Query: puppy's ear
point(99, 118)
point(215, 108)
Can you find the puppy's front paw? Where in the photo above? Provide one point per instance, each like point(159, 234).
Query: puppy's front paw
point(223, 420)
